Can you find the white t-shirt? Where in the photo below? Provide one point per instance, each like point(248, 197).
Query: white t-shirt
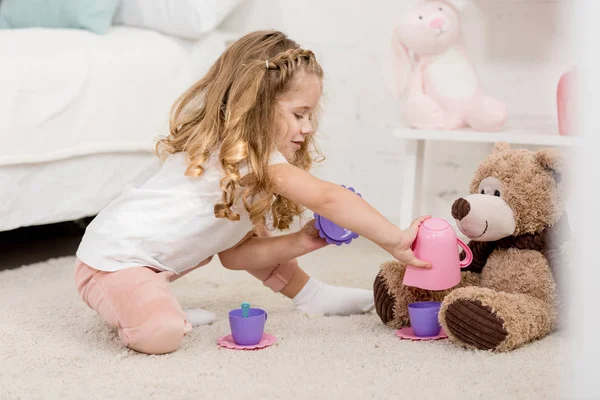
point(167, 223)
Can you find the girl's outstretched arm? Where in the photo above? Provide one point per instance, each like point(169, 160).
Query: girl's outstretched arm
point(346, 209)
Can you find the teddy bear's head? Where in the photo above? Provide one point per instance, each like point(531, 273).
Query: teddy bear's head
point(514, 192)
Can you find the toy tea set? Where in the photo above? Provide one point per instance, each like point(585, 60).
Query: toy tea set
point(436, 242)
point(248, 324)
point(247, 329)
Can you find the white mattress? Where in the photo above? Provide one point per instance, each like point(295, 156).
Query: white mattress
point(68, 92)
point(36, 194)
point(79, 115)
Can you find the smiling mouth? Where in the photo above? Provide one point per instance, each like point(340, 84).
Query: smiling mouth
point(484, 231)
point(476, 237)
point(440, 33)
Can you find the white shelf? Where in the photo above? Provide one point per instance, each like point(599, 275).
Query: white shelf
point(525, 130)
point(512, 1)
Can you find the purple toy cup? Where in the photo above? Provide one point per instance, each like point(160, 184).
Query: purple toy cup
point(248, 330)
point(424, 318)
point(333, 233)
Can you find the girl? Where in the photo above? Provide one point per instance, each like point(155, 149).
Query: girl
point(237, 153)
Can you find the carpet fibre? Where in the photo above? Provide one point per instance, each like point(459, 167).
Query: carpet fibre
point(53, 346)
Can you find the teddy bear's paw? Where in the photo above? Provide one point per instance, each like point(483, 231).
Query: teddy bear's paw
point(475, 324)
point(384, 302)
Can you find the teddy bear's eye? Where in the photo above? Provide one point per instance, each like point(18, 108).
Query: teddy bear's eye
point(482, 191)
point(441, 9)
point(497, 193)
point(420, 17)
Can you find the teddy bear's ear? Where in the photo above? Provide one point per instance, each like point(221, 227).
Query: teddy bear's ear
point(501, 146)
point(552, 160)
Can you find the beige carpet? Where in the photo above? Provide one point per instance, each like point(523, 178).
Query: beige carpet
point(52, 346)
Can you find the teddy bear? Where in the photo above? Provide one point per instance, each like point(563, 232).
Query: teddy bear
point(517, 227)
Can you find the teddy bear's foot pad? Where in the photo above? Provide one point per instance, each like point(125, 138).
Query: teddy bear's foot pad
point(475, 324)
point(384, 302)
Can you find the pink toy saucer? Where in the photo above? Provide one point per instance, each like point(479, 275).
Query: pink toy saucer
point(407, 333)
point(228, 342)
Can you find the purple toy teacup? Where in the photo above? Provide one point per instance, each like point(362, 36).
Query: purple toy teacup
point(424, 318)
point(248, 330)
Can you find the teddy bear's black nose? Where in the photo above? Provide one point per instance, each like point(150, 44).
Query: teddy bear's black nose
point(460, 209)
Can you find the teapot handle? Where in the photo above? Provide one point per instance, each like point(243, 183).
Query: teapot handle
point(469, 254)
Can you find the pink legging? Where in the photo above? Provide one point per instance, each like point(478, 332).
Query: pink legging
point(138, 302)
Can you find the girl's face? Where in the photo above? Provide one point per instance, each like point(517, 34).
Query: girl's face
point(296, 108)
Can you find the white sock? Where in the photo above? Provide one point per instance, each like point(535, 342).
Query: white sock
point(320, 298)
point(198, 316)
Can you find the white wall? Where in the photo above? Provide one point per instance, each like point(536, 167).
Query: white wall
point(519, 46)
point(584, 345)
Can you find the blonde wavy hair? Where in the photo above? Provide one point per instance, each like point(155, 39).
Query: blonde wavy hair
point(233, 110)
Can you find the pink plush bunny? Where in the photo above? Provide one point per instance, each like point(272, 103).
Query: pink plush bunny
point(442, 90)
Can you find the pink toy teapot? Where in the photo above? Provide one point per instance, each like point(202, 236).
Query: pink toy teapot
point(436, 242)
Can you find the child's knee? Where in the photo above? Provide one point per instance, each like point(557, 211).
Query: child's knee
point(161, 332)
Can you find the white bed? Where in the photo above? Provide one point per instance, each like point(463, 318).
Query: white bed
point(79, 114)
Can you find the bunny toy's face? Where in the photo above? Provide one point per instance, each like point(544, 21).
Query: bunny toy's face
point(429, 28)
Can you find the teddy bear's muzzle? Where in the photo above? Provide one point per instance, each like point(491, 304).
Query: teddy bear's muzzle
point(483, 217)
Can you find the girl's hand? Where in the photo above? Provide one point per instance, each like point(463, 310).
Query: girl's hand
point(309, 236)
point(344, 208)
point(402, 250)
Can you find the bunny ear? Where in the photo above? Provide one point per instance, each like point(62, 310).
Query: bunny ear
point(457, 5)
point(397, 67)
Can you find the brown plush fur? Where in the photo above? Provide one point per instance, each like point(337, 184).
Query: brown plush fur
point(519, 288)
point(508, 297)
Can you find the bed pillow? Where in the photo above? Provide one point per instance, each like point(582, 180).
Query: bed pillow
point(189, 19)
point(92, 15)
